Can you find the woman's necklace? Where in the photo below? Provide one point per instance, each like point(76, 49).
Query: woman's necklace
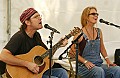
point(90, 37)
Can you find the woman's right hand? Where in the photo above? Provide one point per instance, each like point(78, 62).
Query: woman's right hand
point(89, 65)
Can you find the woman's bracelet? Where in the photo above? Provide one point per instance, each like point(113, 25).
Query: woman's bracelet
point(85, 61)
point(106, 57)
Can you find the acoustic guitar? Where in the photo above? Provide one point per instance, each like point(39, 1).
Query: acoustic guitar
point(38, 55)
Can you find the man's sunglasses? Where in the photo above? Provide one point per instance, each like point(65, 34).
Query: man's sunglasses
point(95, 14)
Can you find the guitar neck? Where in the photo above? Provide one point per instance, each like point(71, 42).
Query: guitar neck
point(55, 47)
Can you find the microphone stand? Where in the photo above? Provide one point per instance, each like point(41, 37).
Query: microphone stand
point(50, 52)
point(77, 44)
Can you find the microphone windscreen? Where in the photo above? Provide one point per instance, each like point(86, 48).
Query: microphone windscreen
point(46, 25)
point(101, 20)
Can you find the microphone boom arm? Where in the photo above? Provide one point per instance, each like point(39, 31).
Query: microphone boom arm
point(73, 42)
point(114, 25)
point(108, 23)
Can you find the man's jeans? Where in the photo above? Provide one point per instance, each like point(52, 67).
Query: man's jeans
point(56, 73)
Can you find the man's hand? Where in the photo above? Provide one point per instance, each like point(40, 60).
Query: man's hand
point(32, 67)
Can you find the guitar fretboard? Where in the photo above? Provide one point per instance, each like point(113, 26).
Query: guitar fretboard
point(55, 47)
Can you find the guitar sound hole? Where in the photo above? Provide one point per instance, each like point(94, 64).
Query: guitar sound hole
point(38, 60)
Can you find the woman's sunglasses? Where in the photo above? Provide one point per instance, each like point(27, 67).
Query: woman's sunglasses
point(95, 14)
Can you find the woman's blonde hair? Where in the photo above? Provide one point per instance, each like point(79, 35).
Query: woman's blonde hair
point(85, 15)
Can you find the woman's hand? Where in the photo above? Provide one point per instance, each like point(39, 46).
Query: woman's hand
point(89, 65)
point(109, 63)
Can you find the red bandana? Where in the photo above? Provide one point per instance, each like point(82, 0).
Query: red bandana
point(27, 14)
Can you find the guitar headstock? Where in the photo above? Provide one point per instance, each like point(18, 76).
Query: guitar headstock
point(75, 31)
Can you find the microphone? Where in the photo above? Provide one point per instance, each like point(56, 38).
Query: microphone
point(108, 23)
point(102, 21)
point(53, 29)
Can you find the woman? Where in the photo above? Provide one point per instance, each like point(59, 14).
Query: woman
point(90, 46)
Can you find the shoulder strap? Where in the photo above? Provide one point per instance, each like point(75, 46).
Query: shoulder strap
point(2, 67)
point(39, 40)
point(84, 35)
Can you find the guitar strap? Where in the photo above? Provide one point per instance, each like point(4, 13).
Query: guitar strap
point(2, 67)
point(39, 41)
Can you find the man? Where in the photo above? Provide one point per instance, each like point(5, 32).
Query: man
point(24, 40)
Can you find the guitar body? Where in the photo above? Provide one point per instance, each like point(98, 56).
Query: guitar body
point(22, 72)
